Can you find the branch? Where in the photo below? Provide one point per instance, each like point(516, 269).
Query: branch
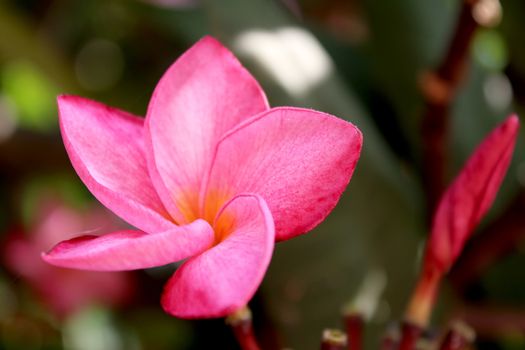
point(241, 324)
point(493, 321)
point(438, 89)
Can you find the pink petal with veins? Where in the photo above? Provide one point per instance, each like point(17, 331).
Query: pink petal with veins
point(300, 161)
point(106, 148)
point(131, 250)
point(203, 94)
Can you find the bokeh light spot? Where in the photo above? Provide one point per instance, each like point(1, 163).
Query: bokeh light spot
point(99, 65)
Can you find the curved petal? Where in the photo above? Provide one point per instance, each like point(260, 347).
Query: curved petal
point(106, 148)
point(131, 250)
point(224, 278)
point(471, 194)
point(203, 94)
point(300, 161)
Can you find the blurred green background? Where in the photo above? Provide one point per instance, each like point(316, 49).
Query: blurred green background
point(359, 60)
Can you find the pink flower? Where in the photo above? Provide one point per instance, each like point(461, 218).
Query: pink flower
point(63, 291)
point(212, 174)
point(461, 208)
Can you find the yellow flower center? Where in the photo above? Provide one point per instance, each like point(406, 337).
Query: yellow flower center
point(213, 203)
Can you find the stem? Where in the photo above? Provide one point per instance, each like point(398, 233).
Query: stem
point(390, 339)
point(420, 307)
point(455, 61)
point(494, 321)
point(458, 337)
point(389, 343)
point(438, 89)
point(410, 333)
point(241, 324)
point(423, 298)
point(333, 339)
point(354, 330)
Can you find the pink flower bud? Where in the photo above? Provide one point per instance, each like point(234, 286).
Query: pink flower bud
point(461, 208)
point(470, 196)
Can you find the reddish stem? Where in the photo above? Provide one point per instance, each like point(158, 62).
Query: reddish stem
point(389, 343)
point(354, 330)
point(423, 298)
point(410, 334)
point(438, 91)
point(245, 337)
point(458, 337)
point(454, 62)
point(434, 129)
point(494, 321)
point(241, 324)
point(390, 340)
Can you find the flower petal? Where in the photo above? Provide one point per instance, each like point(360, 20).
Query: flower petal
point(300, 161)
point(106, 148)
point(203, 94)
point(470, 196)
point(131, 250)
point(224, 278)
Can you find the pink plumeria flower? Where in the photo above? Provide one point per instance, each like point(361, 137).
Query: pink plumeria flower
point(64, 291)
point(212, 174)
point(461, 208)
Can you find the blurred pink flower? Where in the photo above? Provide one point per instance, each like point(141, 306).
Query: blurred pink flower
point(212, 174)
point(64, 291)
point(462, 206)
